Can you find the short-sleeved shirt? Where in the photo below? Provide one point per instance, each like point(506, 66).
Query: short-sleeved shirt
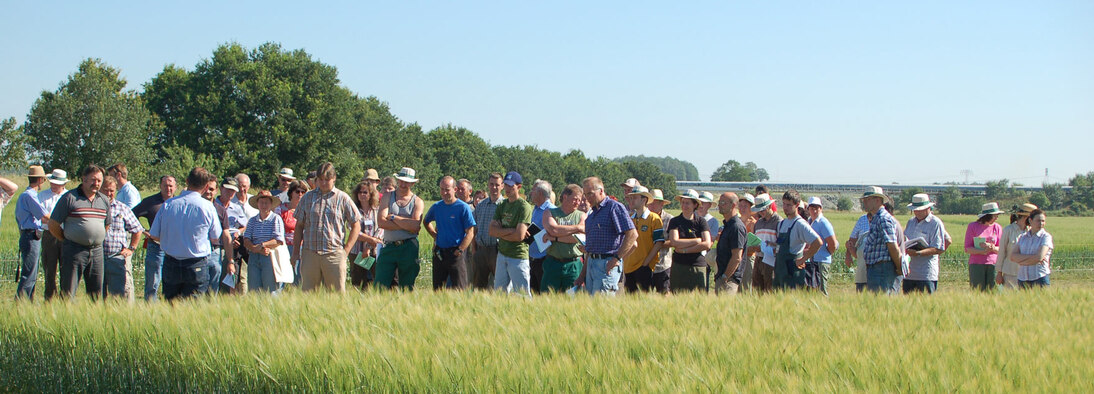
point(185, 225)
point(370, 227)
point(247, 208)
point(824, 229)
point(128, 195)
point(605, 227)
point(537, 219)
point(650, 231)
point(322, 219)
point(883, 230)
point(29, 211)
point(260, 230)
point(85, 219)
point(1031, 243)
point(733, 236)
point(1004, 263)
point(452, 220)
point(125, 224)
point(484, 214)
point(801, 234)
point(511, 214)
point(862, 226)
point(564, 251)
point(48, 199)
point(4, 199)
point(767, 230)
point(289, 220)
point(222, 216)
point(237, 217)
point(933, 232)
point(713, 225)
point(149, 206)
point(687, 229)
point(991, 233)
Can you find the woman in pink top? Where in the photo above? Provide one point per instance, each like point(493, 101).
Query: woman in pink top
point(982, 244)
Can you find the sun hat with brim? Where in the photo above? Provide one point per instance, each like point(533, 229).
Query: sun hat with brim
point(36, 172)
point(990, 208)
point(1024, 209)
point(58, 177)
point(763, 201)
point(690, 194)
point(815, 201)
point(286, 173)
point(372, 175)
point(658, 195)
point(253, 201)
point(230, 183)
point(750, 198)
point(630, 182)
point(874, 191)
point(406, 174)
point(920, 202)
point(706, 197)
point(642, 191)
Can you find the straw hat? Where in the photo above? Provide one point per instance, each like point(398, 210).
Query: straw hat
point(658, 195)
point(372, 175)
point(920, 202)
point(642, 191)
point(990, 208)
point(874, 191)
point(630, 182)
point(763, 201)
point(706, 197)
point(689, 194)
point(286, 173)
point(1024, 209)
point(253, 201)
point(36, 172)
point(407, 174)
point(58, 177)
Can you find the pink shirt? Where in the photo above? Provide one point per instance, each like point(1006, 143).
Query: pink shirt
point(991, 233)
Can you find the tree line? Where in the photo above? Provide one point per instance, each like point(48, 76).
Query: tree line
point(255, 111)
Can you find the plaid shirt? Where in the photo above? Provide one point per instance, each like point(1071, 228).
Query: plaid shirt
point(321, 220)
point(484, 214)
point(605, 225)
point(883, 230)
point(124, 224)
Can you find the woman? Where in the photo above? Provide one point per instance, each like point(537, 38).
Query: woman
point(982, 244)
point(1032, 252)
point(562, 266)
point(367, 199)
point(387, 185)
point(689, 237)
point(264, 233)
point(287, 212)
point(1007, 274)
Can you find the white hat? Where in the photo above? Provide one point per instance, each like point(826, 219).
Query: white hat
point(642, 191)
point(750, 198)
point(990, 208)
point(58, 177)
point(920, 202)
point(874, 191)
point(706, 197)
point(406, 174)
point(286, 173)
point(630, 182)
point(763, 201)
point(815, 201)
point(689, 194)
point(657, 194)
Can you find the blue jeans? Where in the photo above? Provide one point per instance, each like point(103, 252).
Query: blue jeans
point(928, 286)
point(1029, 284)
point(513, 275)
point(115, 272)
point(882, 278)
point(30, 250)
point(214, 264)
point(599, 280)
point(184, 277)
point(153, 270)
point(260, 274)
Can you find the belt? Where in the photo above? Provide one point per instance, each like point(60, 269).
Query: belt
point(603, 256)
point(33, 230)
point(399, 242)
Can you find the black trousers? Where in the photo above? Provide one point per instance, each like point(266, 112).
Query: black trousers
point(448, 267)
point(640, 279)
point(536, 274)
point(79, 261)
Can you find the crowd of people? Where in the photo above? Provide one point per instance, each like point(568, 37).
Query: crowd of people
point(310, 234)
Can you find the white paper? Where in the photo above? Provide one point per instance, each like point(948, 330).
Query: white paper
point(282, 268)
point(229, 280)
point(912, 242)
point(541, 243)
point(580, 238)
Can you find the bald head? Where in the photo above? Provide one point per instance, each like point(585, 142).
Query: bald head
point(727, 204)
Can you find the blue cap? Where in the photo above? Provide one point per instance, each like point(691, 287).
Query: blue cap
point(513, 178)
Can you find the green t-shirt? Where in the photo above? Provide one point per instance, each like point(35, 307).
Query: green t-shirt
point(511, 214)
point(562, 250)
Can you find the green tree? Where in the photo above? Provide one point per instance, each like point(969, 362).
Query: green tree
point(680, 169)
point(13, 144)
point(1040, 199)
point(650, 176)
point(905, 198)
point(90, 119)
point(1055, 194)
point(1082, 190)
point(734, 171)
point(461, 153)
point(844, 203)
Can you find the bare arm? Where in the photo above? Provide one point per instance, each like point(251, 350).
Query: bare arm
point(412, 224)
point(735, 256)
point(894, 254)
point(55, 229)
point(468, 235)
point(849, 255)
point(382, 216)
point(431, 229)
point(831, 243)
point(654, 253)
point(8, 186)
point(629, 243)
point(1028, 259)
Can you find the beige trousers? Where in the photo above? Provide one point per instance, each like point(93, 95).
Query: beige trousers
point(327, 269)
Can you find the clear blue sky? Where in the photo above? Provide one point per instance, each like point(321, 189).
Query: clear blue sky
point(869, 91)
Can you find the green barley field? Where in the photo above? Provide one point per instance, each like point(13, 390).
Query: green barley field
point(956, 340)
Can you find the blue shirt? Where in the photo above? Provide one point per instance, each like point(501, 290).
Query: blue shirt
point(453, 220)
point(185, 224)
point(605, 225)
point(882, 231)
point(537, 219)
point(28, 211)
point(128, 195)
point(260, 231)
point(237, 216)
point(824, 229)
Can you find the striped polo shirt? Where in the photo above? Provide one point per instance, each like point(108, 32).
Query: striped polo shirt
point(261, 230)
point(85, 220)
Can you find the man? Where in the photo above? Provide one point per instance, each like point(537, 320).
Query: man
point(510, 226)
point(465, 191)
point(611, 238)
point(284, 177)
point(452, 235)
point(233, 240)
point(766, 229)
point(816, 270)
point(51, 247)
point(184, 227)
point(706, 201)
point(322, 217)
point(923, 267)
point(401, 218)
point(628, 186)
point(661, 277)
point(86, 216)
point(127, 193)
point(29, 215)
point(311, 180)
point(486, 247)
point(731, 246)
point(744, 209)
point(638, 266)
point(881, 250)
point(797, 244)
point(121, 240)
point(541, 202)
point(242, 199)
point(372, 177)
point(244, 195)
point(219, 248)
point(153, 258)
